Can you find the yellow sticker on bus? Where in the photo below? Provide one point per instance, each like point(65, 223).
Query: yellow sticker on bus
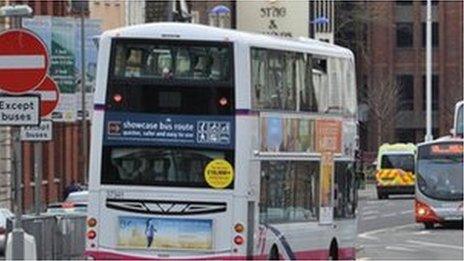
point(219, 174)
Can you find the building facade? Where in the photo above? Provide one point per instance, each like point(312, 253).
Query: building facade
point(391, 51)
point(111, 13)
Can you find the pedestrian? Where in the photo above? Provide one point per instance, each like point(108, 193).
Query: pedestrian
point(150, 231)
point(73, 187)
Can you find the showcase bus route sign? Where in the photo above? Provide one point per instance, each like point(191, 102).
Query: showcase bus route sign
point(23, 61)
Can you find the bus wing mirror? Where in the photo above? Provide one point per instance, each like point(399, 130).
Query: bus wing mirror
point(453, 132)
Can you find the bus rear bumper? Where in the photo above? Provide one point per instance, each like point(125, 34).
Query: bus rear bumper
point(116, 255)
point(348, 253)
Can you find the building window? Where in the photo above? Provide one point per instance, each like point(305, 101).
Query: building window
point(289, 191)
point(403, 2)
point(435, 92)
point(405, 135)
point(435, 34)
point(344, 190)
point(404, 34)
point(434, 2)
point(406, 92)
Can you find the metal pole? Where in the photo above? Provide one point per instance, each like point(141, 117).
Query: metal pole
point(84, 111)
point(428, 64)
point(38, 177)
point(18, 232)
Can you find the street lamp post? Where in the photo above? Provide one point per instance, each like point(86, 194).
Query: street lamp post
point(16, 13)
point(428, 65)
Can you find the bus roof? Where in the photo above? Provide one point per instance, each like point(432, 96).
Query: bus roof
point(197, 32)
point(442, 139)
point(398, 147)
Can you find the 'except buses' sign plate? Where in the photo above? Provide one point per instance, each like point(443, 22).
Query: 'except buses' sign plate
point(174, 130)
point(43, 132)
point(19, 110)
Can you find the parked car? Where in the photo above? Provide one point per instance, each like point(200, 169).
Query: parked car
point(75, 203)
point(4, 215)
point(78, 196)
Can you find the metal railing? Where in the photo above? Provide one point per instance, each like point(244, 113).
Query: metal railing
point(57, 237)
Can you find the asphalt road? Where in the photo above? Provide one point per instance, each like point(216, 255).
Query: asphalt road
point(387, 230)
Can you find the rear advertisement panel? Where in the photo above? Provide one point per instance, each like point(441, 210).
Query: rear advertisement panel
point(165, 233)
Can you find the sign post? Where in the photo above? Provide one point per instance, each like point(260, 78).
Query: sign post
point(23, 66)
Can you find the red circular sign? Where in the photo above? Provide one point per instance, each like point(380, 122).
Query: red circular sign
point(23, 61)
point(49, 96)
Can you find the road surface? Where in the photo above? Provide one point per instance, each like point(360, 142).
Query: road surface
point(387, 230)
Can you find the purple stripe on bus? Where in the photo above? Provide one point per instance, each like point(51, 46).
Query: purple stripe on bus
point(99, 107)
point(245, 112)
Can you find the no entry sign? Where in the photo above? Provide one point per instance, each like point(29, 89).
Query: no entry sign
point(49, 96)
point(23, 61)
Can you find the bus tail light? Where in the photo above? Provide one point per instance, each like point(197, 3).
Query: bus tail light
point(223, 102)
point(117, 98)
point(239, 228)
point(91, 234)
point(424, 212)
point(91, 222)
point(238, 240)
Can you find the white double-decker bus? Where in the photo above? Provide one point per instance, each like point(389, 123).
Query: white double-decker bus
point(217, 144)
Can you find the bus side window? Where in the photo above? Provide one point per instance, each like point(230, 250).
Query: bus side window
point(345, 190)
point(308, 101)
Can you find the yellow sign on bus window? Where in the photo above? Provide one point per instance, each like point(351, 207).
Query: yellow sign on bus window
point(219, 174)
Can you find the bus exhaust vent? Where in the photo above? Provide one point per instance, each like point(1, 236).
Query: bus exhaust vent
point(162, 207)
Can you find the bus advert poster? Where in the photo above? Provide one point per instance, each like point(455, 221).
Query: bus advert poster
point(165, 233)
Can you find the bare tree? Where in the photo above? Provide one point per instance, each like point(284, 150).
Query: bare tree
point(382, 98)
point(352, 25)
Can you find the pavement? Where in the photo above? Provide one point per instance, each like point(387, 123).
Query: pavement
point(387, 231)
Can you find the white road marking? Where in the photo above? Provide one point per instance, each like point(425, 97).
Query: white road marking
point(435, 244)
point(368, 234)
point(400, 248)
point(370, 217)
point(369, 212)
point(425, 232)
point(367, 208)
point(406, 212)
point(390, 215)
point(363, 258)
point(22, 61)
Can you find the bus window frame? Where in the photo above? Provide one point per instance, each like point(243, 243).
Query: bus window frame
point(113, 79)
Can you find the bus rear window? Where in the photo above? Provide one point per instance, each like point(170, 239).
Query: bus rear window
point(148, 166)
point(172, 60)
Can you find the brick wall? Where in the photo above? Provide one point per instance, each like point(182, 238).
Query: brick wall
point(388, 60)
